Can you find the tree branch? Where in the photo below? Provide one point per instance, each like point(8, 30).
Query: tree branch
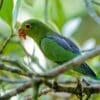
point(13, 69)
point(45, 91)
point(41, 93)
point(56, 87)
point(15, 91)
point(33, 58)
point(91, 11)
point(12, 81)
point(71, 64)
point(95, 2)
point(46, 11)
point(14, 61)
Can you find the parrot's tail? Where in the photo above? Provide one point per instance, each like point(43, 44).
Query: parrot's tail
point(86, 70)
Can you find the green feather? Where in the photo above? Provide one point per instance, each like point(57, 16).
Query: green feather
point(55, 52)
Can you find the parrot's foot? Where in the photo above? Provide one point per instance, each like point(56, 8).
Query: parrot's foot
point(85, 82)
point(54, 85)
point(79, 88)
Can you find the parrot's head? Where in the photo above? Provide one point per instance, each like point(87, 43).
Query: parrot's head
point(33, 28)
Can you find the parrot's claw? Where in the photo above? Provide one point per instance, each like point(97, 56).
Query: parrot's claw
point(54, 85)
point(85, 81)
point(79, 86)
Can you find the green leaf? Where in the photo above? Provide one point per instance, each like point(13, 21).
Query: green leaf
point(56, 13)
point(13, 49)
point(6, 11)
point(15, 11)
point(29, 2)
point(1, 2)
point(4, 28)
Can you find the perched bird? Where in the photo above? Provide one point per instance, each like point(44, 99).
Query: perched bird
point(54, 46)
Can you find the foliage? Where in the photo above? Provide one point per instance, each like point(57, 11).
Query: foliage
point(59, 13)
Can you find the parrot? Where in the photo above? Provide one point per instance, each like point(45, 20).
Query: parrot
point(57, 48)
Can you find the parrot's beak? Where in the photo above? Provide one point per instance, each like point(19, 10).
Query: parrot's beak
point(21, 33)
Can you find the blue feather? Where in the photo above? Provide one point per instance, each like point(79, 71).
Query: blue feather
point(85, 69)
point(69, 45)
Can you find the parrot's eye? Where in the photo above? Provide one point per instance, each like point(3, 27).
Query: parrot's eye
point(27, 26)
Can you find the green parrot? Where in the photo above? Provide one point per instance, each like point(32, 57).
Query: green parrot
point(54, 46)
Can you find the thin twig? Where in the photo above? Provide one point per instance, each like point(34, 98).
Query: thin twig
point(33, 58)
point(87, 50)
point(57, 88)
point(88, 97)
point(41, 93)
point(15, 91)
point(46, 11)
point(45, 91)
point(5, 44)
point(13, 69)
point(35, 87)
point(96, 2)
point(12, 81)
point(71, 64)
point(92, 12)
point(15, 61)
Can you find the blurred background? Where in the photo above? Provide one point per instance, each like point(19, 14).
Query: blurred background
point(68, 17)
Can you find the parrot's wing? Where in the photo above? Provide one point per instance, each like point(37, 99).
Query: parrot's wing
point(64, 42)
point(69, 47)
